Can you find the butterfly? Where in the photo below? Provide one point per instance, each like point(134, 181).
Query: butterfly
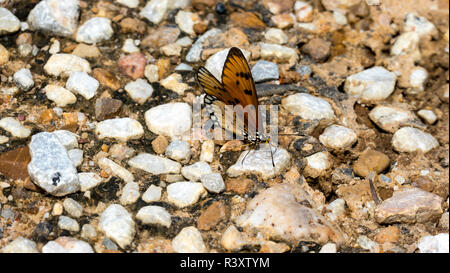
point(236, 89)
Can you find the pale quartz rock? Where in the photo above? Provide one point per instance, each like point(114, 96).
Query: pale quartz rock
point(14, 127)
point(175, 83)
point(65, 64)
point(338, 137)
point(83, 84)
point(154, 215)
point(409, 139)
point(115, 169)
point(171, 119)
point(8, 21)
point(275, 35)
point(151, 73)
point(59, 95)
point(95, 30)
point(67, 245)
point(139, 90)
point(186, 21)
point(122, 129)
point(259, 162)
point(280, 53)
point(154, 164)
point(118, 225)
point(189, 240)
point(183, 194)
point(308, 106)
point(375, 83)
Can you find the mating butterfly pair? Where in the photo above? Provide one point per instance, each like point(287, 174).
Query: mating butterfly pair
point(237, 89)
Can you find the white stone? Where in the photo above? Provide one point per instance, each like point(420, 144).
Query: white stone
point(14, 127)
point(130, 193)
point(207, 152)
point(9, 91)
point(434, 244)
point(89, 180)
point(3, 139)
point(95, 30)
point(232, 239)
point(308, 106)
point(195, 171)
point(196, 50)
point(175, 83)
point(115, 169)
point(406, 43)
point(171, 49)
point(20, 245)
point(364, 242)
point(338, 137)
point(55, 47)
point(317, 164)
point(375, 83)
point(340, 18)
point(182, 67)
point(83, 84)
point(59, 95)
point(23, 79)
point(152, 194)
point(151, 73)
point(336, 208)
point(65, 64)
point(184, 42)
point(417, 80)
point(68, 223)
point(265, 71)
point(129, 3)
point(88, 232)
point(154, 215)
point(171, 119)
point(50, 166)
point(76, 156)
point(276, 36)
point(186, 21)
point(183, 194)
point(215, 63)
point(328, 248)
point(259, 162)
point(391, 118)
point(189, 240)
point(73, 208)
point(8, 21)
point(409, 139)
point(303, 11)
point(118, 225)
point(155, 10)
point(278, 212)
point(55, 16)
point(129, 46)
point(67, 245)
point(154, 164)
point(419, 25)
point(122, 129)
point(278, 52)
point(213, 182)
point(68, 139)
point(428, 115)
point(179, 150)
point(139, 90)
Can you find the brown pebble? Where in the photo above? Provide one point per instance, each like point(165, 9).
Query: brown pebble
point(212, 216)
point(133, 25)
point(132, 65)
point(24, 38)
point(106, 78)
point(202, 4)
point(424, 184)
point(106, 108)
point(370, 160)
point(200, 28)
point(160, 144)
point(389, 234)
point(239, 185)
point(160, 37)
point(13, 164)
point(247, 20)
point(317, 49)
point(84, 51)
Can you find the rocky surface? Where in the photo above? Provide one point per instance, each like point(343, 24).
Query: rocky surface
point(102, 150)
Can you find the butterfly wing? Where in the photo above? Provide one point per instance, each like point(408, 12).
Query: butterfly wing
point(237, 81)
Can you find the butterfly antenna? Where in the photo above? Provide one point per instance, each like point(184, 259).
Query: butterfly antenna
point(242, 162)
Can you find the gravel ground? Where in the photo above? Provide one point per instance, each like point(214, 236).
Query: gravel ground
point(95, 119)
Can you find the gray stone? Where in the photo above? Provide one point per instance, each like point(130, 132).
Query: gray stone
point(195, 171)
point(76, 155)
point(89, 180)
point(88, 232)
point(8, 22)
point(265, 71)
point(195, 51)
point(213, 182)
point(73, 208)
point(50, 166)
point(68, 223)
point(179, 150)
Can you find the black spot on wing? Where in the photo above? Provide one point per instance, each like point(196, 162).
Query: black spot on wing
point(248, 92)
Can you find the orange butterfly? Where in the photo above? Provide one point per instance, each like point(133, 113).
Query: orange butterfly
point(237, 89)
